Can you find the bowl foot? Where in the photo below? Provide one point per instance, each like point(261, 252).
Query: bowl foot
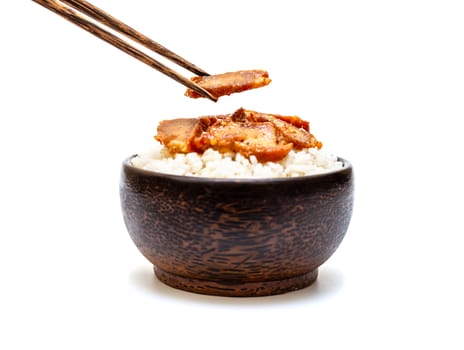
point(236, 288)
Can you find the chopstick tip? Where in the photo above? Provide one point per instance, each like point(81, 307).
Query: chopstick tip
point(207, 94)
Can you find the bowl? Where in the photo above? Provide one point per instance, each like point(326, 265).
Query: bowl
point(236, 237)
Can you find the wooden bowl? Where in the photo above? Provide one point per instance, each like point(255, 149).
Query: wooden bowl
point(236, 237)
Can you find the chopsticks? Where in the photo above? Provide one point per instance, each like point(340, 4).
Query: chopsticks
point(104, 18)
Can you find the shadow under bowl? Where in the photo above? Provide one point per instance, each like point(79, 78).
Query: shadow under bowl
point(236, 237)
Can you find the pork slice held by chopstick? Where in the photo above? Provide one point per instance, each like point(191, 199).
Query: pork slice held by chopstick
point(230, 83)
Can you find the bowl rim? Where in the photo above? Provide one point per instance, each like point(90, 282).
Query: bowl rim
point(347, 168)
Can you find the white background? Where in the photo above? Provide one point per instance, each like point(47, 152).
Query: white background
point(382, 83)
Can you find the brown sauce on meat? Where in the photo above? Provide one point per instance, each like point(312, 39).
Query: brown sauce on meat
point(230, 83)
point(269, 137)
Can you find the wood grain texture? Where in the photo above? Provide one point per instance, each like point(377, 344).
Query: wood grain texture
point(236, 237)
point(84, 23)
point(115, 24)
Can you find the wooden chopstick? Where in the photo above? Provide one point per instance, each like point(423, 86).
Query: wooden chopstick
point(113, 23)
point(102, 17)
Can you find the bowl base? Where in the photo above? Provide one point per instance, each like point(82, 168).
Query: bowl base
point(236, 288)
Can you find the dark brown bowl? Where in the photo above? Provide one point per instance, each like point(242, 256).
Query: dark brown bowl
point(236, 237)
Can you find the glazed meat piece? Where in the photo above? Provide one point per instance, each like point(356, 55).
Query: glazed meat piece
point(176, 134)
point(258, 139)
point(300, 137)
point(229, 83)
point(269, 137)
point(291, 129)
point(246, 115)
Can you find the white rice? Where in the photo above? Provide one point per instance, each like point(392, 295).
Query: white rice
point(214, 164)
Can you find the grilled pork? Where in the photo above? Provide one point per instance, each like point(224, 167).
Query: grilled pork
point(229, 83)
point(268, 137)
